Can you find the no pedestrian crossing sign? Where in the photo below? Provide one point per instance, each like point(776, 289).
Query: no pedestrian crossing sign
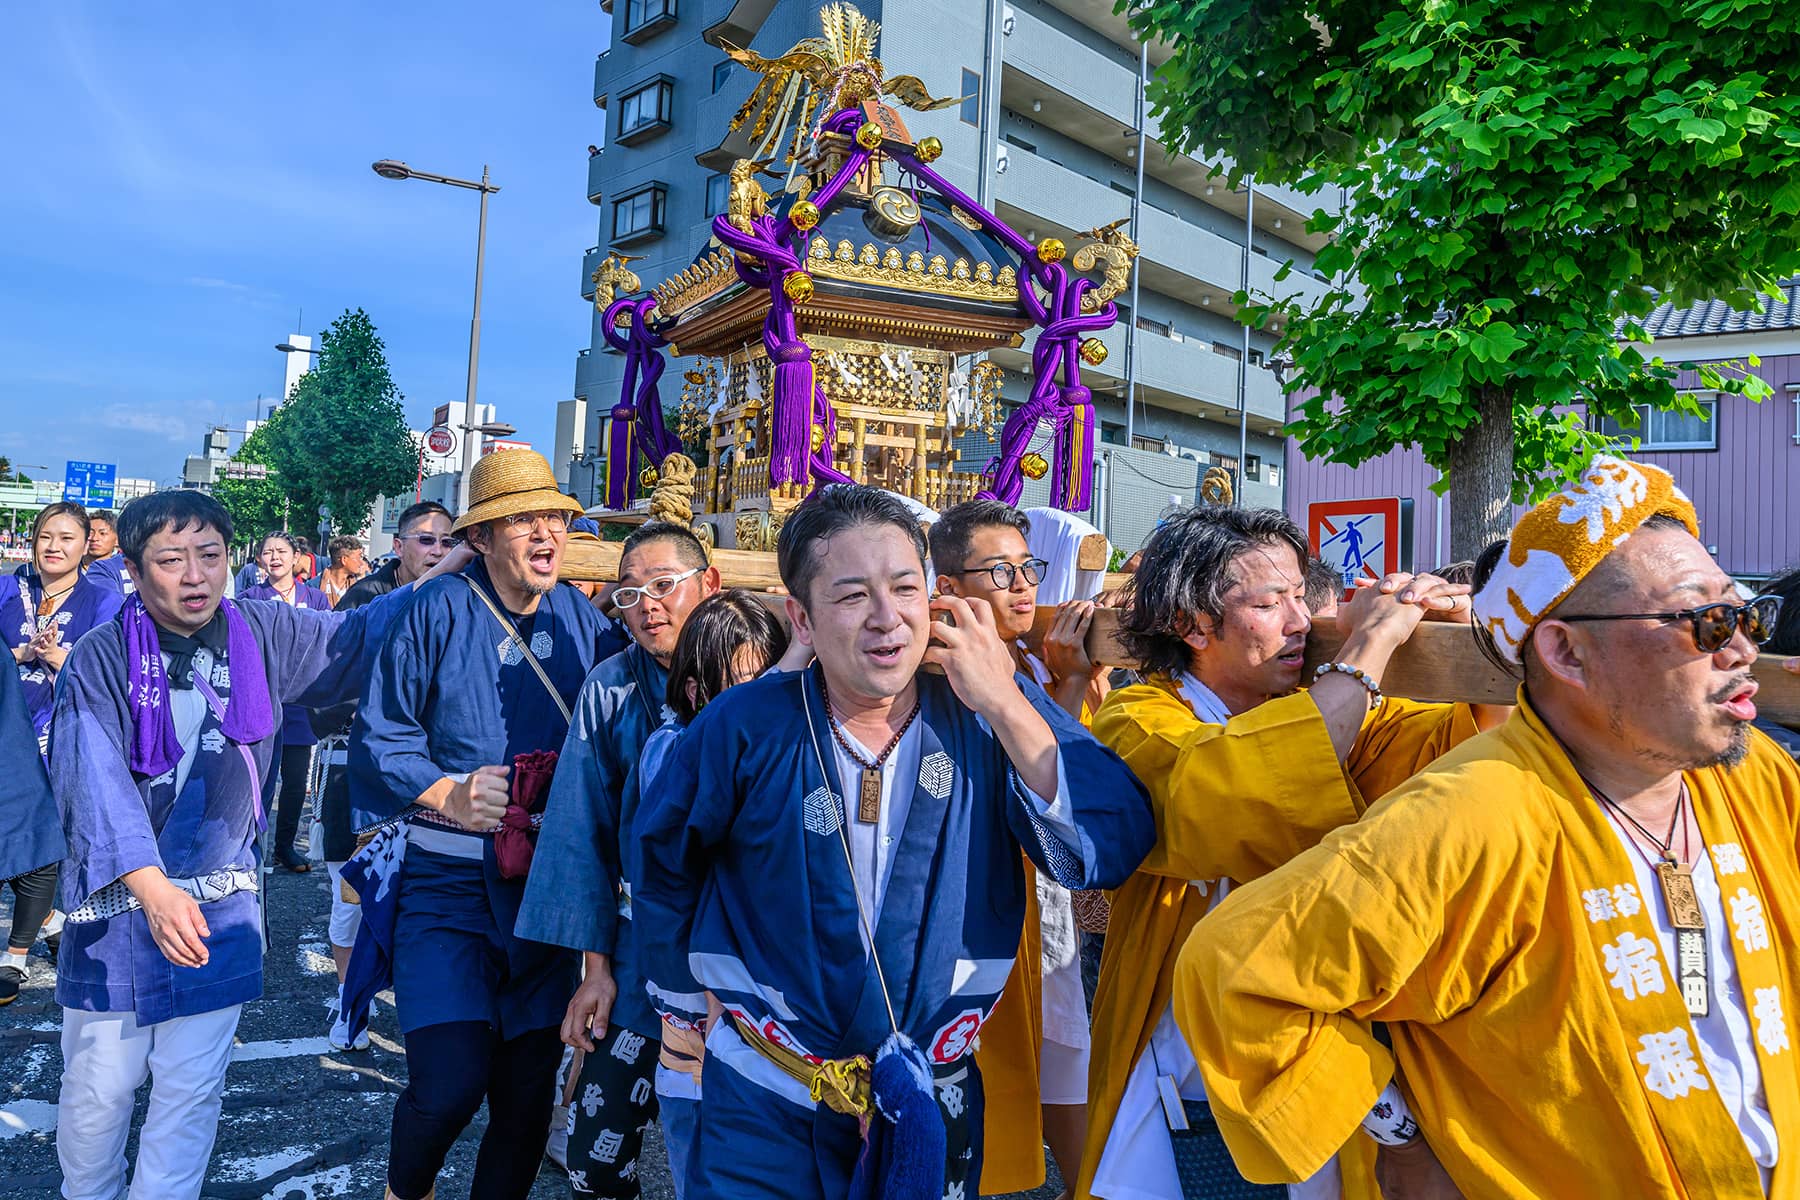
point(1363, 539)
point(89, 484)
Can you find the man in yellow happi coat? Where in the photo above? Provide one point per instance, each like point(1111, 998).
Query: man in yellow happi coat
point(1244, 772)
point(1582, 929)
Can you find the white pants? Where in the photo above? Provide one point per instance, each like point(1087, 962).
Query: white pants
point(106, 1056)
point(346, 918)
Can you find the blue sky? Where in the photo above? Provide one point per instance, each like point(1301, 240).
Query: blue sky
point(183, 180)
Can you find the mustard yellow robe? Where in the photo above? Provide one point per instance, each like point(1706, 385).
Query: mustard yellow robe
point(1467, 911)
point(1008, 1055)
point(1011, 1046)
point(1232, 801)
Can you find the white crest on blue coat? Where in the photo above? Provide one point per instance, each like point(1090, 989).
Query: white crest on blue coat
point(936, 772)
point(822, 813)
point(540, 644)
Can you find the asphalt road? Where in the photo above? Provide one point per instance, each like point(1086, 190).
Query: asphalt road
point(300, 1122)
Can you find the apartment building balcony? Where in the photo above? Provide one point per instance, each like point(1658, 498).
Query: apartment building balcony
point(590, 262)
point(712, 120)
point(1181, 374)
point(585, 374)
point(601, 77)
point(596, 170)
point(1091, 96)
point(1197, 265)
point(1071, 66)
point(734, 21)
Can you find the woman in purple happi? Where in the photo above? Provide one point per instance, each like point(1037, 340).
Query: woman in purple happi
point(42, 615)
point(163, 728)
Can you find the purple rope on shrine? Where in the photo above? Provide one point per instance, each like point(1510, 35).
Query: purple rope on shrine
point(1057, 349)
point(796, 395)
point(635, 424)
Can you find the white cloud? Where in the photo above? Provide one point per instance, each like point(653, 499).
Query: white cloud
point(162, 424)
point(201, 281)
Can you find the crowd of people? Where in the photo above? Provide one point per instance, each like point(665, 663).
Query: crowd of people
point(890, 885)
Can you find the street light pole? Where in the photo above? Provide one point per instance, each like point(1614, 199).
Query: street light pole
point(474, 345)
point(389, 168)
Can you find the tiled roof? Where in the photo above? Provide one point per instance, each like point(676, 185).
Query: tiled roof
point(1715, 317)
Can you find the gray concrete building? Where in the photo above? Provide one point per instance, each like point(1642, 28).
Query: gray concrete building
point(1053, 135)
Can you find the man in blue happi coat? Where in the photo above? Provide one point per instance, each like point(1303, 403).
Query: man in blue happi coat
point(579, 893)
point(834, 853)
point(455, 740)
point(165, 723)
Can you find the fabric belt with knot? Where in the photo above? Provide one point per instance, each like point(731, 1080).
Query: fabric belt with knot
point(841, 1084)
point(683, 1049)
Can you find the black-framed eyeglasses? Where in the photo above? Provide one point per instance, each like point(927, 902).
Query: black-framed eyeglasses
point(1004, 573)
point(656, 589)
point(1713, 624)
point(429, 540)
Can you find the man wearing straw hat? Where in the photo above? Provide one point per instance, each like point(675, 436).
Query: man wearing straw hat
point(453, 748)
point(1579, 927)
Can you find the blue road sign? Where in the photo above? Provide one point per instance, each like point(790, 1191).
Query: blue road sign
point(89, 483)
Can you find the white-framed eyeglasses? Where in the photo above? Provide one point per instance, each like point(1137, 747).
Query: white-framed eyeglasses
point(656, 589)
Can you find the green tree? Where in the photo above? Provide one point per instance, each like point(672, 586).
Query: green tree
point(1524, 180)
point(341, 439)
point(257, 504)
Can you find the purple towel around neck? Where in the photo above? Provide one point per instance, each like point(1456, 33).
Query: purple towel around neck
point(249, 715)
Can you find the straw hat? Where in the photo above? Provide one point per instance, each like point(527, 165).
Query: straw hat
point(507, 482)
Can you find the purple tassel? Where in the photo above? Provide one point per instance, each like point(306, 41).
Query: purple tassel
point(790, 433)
point(620, 457)
point(1075, 450)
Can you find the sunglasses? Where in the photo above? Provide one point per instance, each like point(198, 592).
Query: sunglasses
point(1713, 624)
point(430, 540)
point(1003, 573)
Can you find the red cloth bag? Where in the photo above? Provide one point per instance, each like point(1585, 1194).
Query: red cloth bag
point(515, 840)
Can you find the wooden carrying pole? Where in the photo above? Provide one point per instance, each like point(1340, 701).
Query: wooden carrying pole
point(588, 561)
point(1440, 662)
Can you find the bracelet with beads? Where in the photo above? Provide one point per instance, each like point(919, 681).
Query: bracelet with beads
point(1357, 673)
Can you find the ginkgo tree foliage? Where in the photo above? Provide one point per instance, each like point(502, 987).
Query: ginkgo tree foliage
point(1524, 182)
point(341, 439)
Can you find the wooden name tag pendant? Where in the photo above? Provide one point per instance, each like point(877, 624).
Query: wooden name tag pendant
point(868, 802)
point(1683, 906)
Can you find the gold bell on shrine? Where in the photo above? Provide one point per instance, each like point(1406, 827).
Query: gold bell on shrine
point(1093, 351)
point(1051, 250)
point(869, 135)
point(929, 149)
point(648, 477)
point(798, 286)
point(804, 215)
point(1034, 466)
point(818, 438)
